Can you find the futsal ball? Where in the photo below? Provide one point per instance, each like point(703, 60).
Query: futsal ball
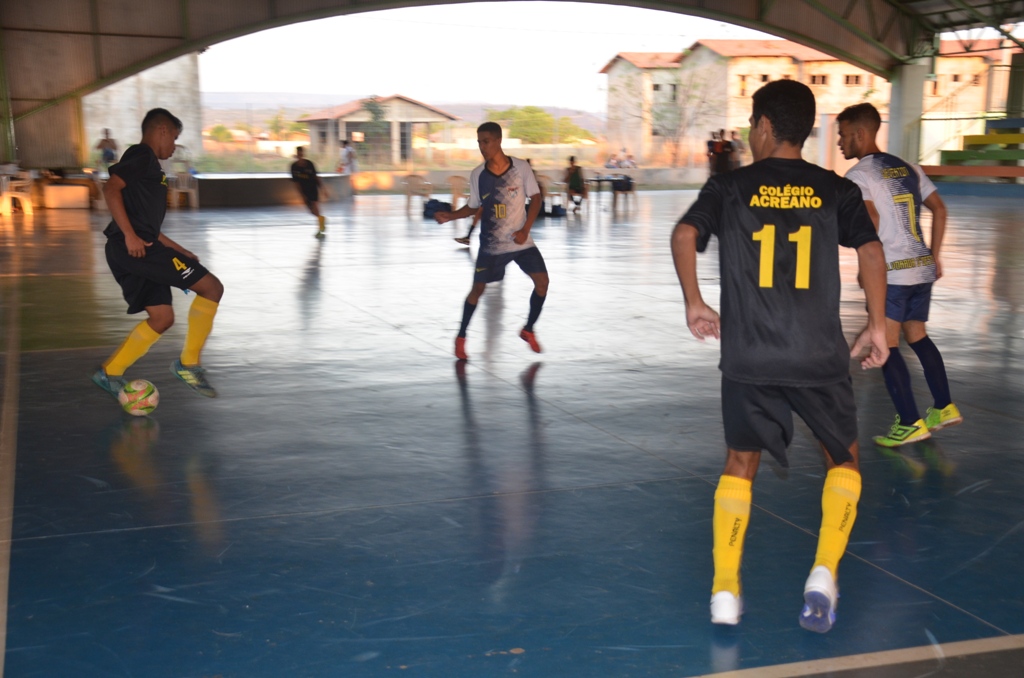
point(138, 397)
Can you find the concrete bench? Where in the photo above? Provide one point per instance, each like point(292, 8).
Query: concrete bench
point(66, 196)
point(1000, 171)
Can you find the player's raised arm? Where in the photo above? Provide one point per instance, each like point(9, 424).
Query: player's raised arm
point(702, 320)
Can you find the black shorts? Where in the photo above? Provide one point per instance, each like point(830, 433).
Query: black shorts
point(491, 267)
point(147, 281)
point(761, 417)
point(310, 192)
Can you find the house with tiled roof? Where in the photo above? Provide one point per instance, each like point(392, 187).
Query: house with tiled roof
point(708, 87)
point(352, 121)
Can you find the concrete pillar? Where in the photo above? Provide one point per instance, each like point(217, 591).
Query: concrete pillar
point(396, 143)
point(1015, 91)
point(7, 143)
point(331, 152)
point(906, 104)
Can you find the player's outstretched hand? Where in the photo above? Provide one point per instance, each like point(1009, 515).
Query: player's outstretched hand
point(878, 348)
point(520, 237)
point(442, 217)
point(703, 321)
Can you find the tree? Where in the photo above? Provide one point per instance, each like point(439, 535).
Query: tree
point(689, 95)
point(378, 129)
point(534, 125)
point(220, 133)
point(276, 125)
point(299, 126)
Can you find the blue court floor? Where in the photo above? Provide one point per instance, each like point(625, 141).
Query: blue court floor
point(356, 503)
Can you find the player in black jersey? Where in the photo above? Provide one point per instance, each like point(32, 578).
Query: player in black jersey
point(309, 184)
point(779, 223)
point(146, 263)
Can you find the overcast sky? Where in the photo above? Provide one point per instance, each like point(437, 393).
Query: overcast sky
point(525, 53)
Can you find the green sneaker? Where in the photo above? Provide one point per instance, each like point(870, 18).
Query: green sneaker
point(902, 435)
point(111, 385)
point(194, 377)
point(947, 416)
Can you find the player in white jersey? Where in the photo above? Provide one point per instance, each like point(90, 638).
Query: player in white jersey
point(894, 191)
point(498, 189)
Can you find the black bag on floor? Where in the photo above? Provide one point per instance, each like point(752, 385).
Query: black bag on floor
point(622, 184)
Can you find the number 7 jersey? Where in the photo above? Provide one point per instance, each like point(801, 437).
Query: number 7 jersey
point(898, 189)
point(779, 224)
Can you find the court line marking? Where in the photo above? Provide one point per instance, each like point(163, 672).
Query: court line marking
point(938, 653)
point(9, 438)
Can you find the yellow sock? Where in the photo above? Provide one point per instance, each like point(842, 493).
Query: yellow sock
point(732, 514)
point(838, 512)
point(200, 324)
point(131, 349)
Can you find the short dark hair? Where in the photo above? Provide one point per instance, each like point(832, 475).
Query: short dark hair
point(490, 128)
point(160, 116)
point(789, 106)
point(861, 114)
point(572, 158)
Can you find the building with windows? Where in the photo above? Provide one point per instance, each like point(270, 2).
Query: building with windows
point(666, 105)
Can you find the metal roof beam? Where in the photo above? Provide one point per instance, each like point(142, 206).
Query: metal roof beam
point(991, 22)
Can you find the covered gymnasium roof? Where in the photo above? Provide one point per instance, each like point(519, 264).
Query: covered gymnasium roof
point(57, 51)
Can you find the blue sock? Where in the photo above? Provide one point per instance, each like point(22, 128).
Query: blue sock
point(467, 313)
point(897, 380)
point(934, 371)
point(536, 304)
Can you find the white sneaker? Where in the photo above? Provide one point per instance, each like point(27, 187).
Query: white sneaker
point(726, 608)
point(820, 597)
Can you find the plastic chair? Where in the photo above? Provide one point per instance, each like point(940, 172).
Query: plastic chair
point(415, 185)
point(17, 188)
point(460, 188)
point(99, 202)
point(184, 182)
point(548, 190)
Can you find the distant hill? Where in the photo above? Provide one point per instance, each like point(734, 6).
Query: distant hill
point(257, 108)
point(272, 100)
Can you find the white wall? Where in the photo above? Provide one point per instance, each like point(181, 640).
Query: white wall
point(173, 85)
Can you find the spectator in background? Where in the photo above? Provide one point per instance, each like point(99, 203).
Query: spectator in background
point(576, 185)
point(723, 153)
point(712, 145)
point(628, 162)
point(612, 162)
point(738, 147)
point(347, 163)
point(107, 148)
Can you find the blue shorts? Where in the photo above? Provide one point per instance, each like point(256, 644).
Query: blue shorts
point(908, 302)
point(491, 267)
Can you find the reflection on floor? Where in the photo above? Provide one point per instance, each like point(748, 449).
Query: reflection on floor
point(358, 504)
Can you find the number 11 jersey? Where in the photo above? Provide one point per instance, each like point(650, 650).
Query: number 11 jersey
point(779, 225)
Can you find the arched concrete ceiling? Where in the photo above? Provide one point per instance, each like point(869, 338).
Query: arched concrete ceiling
point(52, 52)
